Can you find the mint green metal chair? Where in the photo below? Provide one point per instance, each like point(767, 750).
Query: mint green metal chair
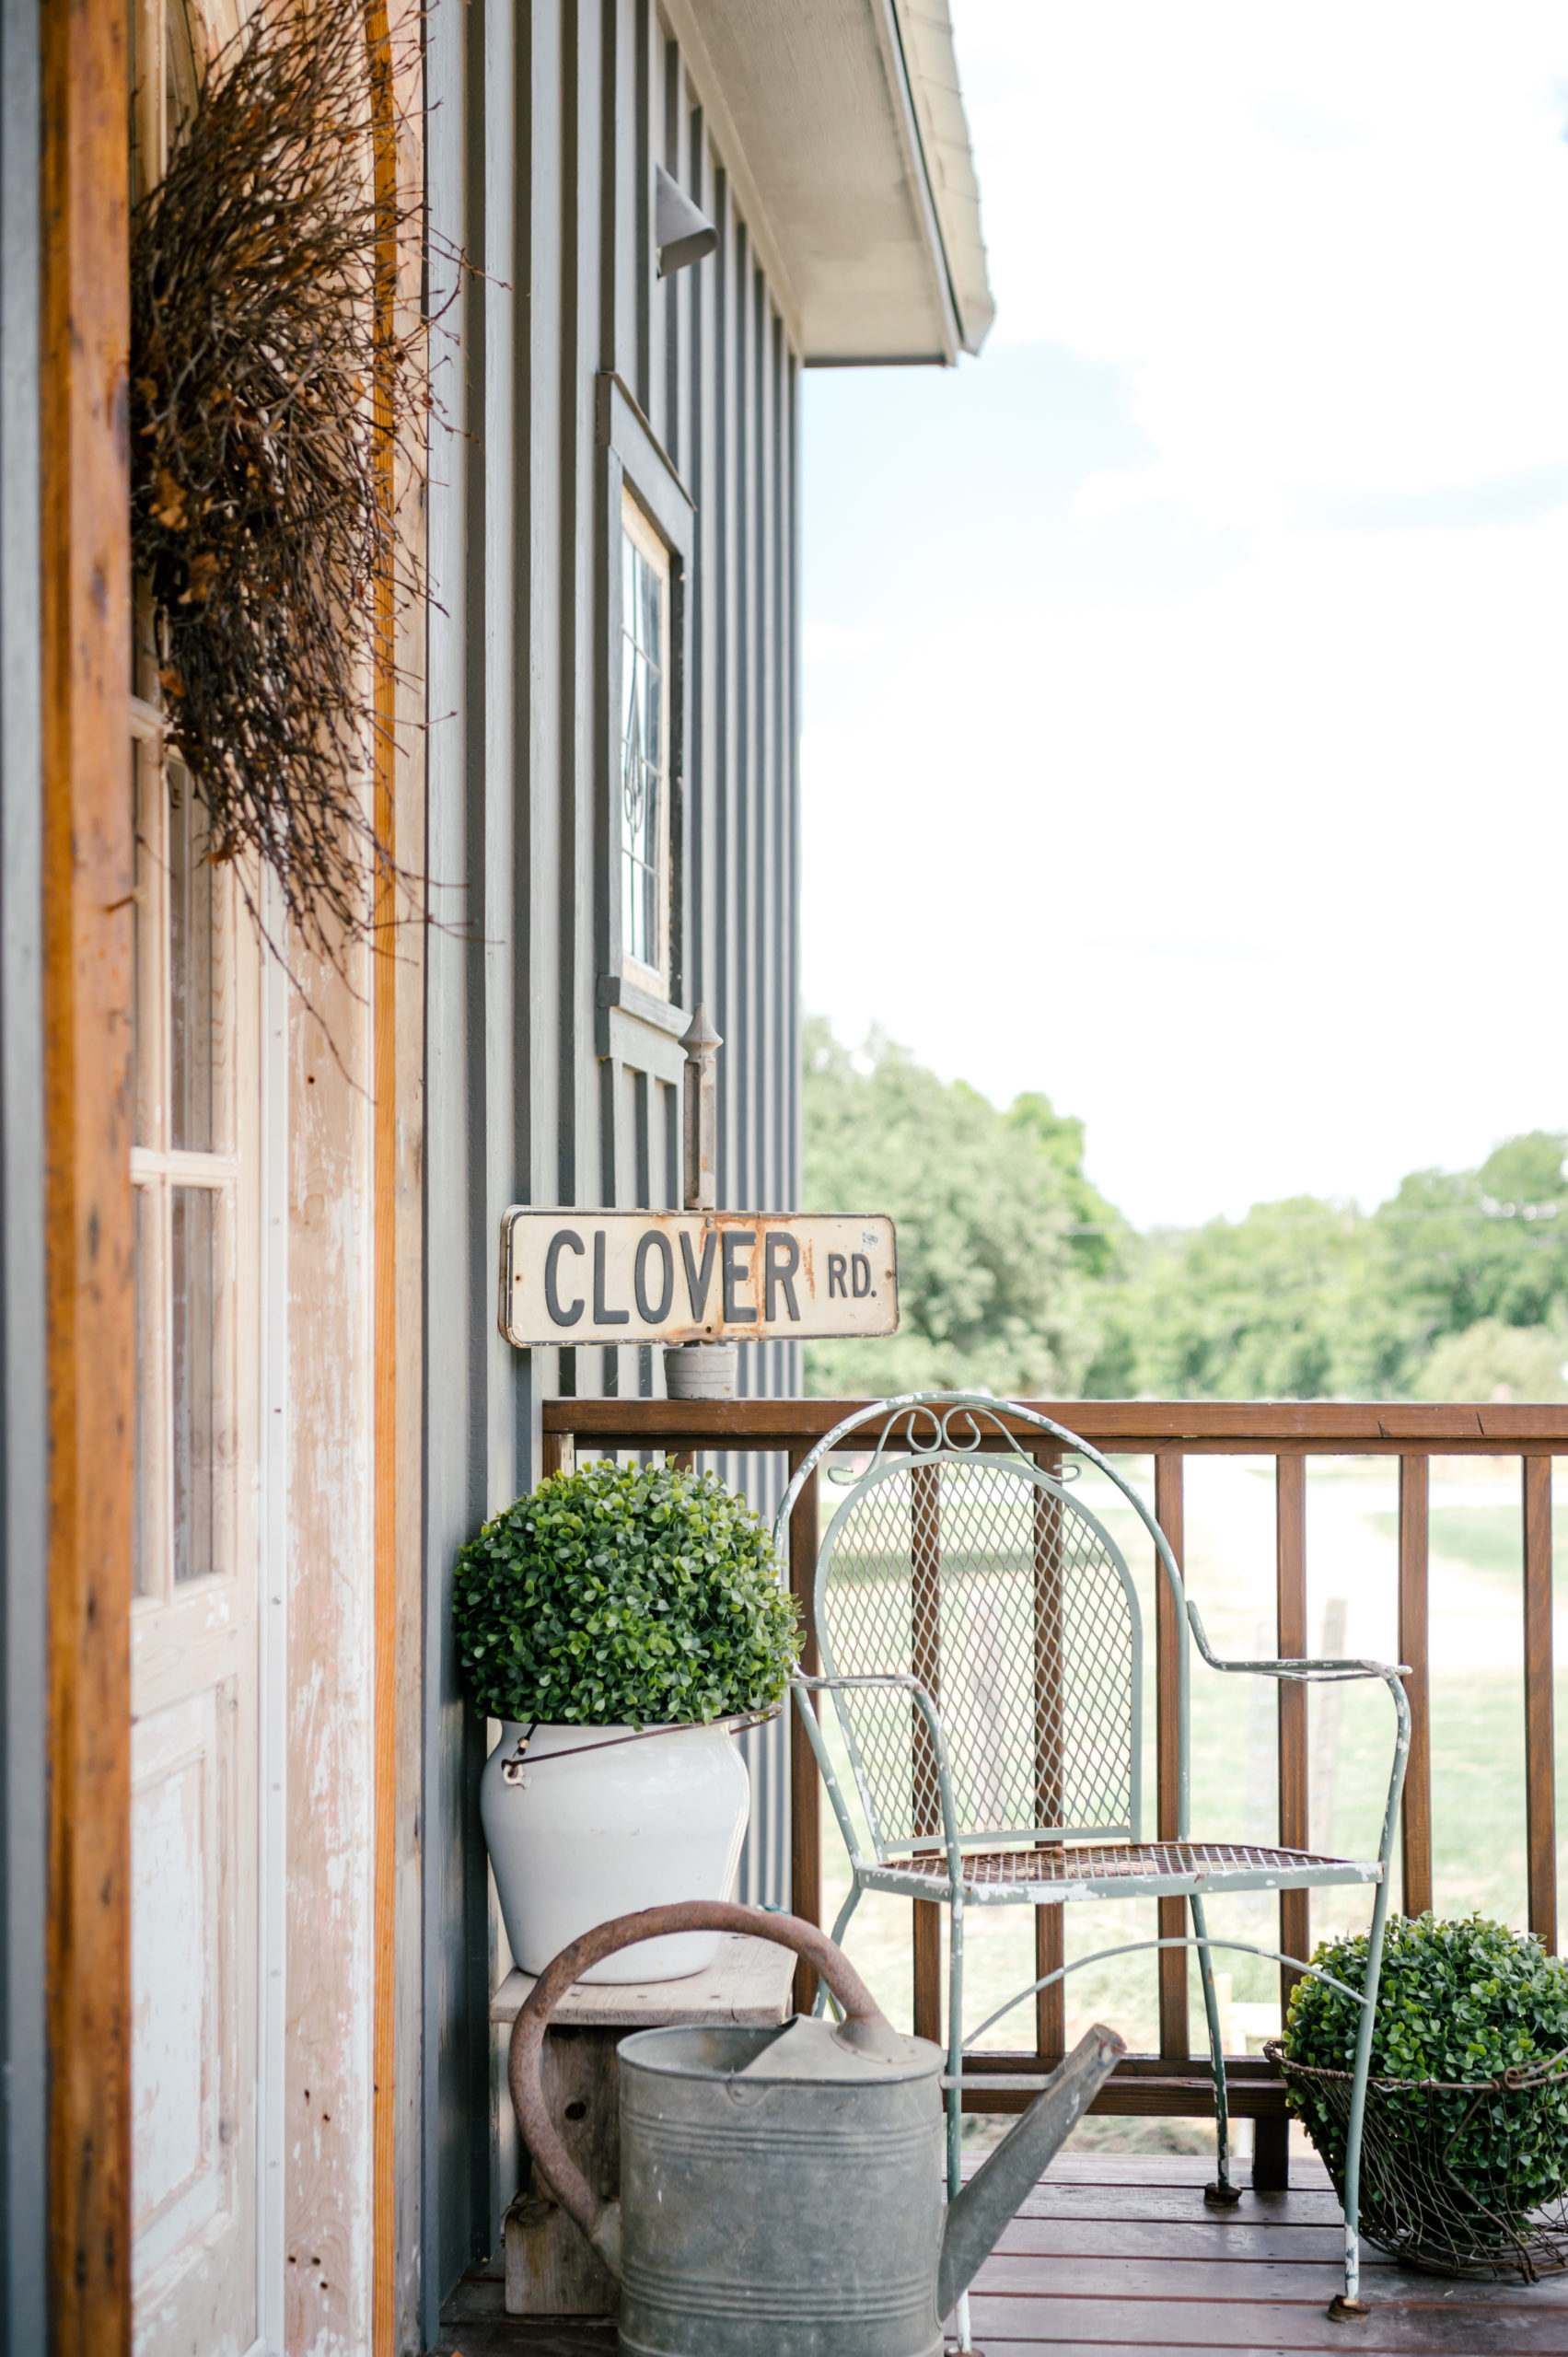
point(982, 1645)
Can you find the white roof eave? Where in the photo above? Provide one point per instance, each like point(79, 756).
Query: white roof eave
point(842, 127)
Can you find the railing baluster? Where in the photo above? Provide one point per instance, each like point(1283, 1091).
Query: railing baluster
point(1174, 2042)
point(925, 1609)
point(1416, 1817)
point(1271, 2146)
point(1290, 1607)
point(1051, 2005)
point(805, 1793)
point(1541, 1801)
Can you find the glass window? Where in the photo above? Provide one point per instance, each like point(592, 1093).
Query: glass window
point(644, 750)
point(184, 1172)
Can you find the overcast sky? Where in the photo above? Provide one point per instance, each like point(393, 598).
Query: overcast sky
point(1185, 724)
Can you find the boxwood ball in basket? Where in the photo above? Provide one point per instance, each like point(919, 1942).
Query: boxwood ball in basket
point(1464, 2153)
point(614, 1622)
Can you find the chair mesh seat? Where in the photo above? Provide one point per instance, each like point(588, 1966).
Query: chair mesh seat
point(1078, 1862)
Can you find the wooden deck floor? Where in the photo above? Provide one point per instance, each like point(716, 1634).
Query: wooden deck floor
point(1115, 2253)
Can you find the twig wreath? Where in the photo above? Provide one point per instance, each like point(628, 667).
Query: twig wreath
point(269, 391)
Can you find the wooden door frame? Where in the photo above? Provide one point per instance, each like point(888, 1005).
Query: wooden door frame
point(87, 881)
point(23, 1427)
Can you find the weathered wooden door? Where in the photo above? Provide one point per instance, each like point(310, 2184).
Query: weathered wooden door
point(200, 2150)
point(196, 1799)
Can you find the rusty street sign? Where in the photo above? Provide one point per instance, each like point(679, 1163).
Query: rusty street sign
point(587, 1276)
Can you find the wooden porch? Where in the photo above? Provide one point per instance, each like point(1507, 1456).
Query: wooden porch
point(1116, 2252)
point(1169, 1436)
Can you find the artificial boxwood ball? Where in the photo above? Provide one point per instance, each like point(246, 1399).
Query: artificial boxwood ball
point(1457, 2002)
point(624, 1596)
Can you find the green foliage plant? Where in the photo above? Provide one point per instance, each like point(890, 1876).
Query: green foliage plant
point(1458, 2002)
point(624, 1596)
point(1491, 1359)
point(1017, 1276)
point(1003, 1245)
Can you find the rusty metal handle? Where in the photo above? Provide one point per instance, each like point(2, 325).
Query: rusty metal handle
point(554, 2163)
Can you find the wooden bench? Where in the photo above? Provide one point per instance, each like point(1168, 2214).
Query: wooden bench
point(550, 2269)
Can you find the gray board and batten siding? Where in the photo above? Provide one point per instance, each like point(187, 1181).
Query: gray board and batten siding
point(24, 1453)
point(565, 367)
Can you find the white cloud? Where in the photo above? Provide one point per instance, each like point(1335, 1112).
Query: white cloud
point(1226, 803)
point(1327, 243)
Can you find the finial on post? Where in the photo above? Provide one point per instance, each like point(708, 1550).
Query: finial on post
point(702, 1044)
point(701, 1370)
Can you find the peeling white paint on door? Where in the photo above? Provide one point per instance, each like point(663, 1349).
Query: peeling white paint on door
point(195, 1799)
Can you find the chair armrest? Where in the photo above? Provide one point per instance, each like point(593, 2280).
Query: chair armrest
point(922, 1702)
point(1393, 1675)
point(1323, 1672)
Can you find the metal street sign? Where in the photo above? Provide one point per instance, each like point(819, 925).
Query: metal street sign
point(587, 1276)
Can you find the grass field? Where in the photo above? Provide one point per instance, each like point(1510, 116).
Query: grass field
point(1477, 1730)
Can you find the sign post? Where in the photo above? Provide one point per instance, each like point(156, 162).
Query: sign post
point(698, 1280)
point(702, 1044)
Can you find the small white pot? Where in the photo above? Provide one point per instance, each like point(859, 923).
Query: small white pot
point(577, 1841)
point(700, 1370)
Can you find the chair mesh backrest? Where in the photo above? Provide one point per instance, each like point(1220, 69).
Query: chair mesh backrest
point(1014, 1608)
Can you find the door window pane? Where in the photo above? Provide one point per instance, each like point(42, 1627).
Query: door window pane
point(194, 1270)
point(192, 970)
point(144, 925)
point(142, 1540)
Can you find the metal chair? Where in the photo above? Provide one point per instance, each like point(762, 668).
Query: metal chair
point(982, 1641)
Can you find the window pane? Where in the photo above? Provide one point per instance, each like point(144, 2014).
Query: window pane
point(193, 1271)
point(143, 914)
point(642, 755)
point(142, 1494)
point(191, 968)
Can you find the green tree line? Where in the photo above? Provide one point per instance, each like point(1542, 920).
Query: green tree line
point(1016, 1275)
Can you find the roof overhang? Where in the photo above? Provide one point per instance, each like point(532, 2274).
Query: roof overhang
point(842, 124)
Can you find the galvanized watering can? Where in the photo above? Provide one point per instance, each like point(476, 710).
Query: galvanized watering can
point(781, 2189)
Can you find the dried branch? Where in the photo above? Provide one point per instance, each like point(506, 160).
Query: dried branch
point(265, 384)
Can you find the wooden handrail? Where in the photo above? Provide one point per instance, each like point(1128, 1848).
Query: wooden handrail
point(1141, 1427)
point(1170, 1429)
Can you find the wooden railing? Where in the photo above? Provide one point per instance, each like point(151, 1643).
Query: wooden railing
point(1171, 2082)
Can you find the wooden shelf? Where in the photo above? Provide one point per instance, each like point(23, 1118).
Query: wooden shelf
point(747, 1983)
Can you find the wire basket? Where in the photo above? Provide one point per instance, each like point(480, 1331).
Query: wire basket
point(1464, 2179)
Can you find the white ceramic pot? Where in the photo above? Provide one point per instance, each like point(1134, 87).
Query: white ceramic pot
point(577, 1841)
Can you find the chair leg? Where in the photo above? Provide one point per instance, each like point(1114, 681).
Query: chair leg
point(1222, 2194)
point(955, 2093)
point(840, 1927)
point(1348, 2303)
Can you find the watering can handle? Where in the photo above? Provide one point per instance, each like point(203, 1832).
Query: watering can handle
point(549, 2154)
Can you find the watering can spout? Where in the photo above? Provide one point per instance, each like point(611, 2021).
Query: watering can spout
point(991, 2197)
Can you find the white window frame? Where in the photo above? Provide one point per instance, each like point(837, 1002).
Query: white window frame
point(643, 503)
point(653, 975)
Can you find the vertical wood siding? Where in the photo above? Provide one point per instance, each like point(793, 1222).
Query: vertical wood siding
point(544, 128)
